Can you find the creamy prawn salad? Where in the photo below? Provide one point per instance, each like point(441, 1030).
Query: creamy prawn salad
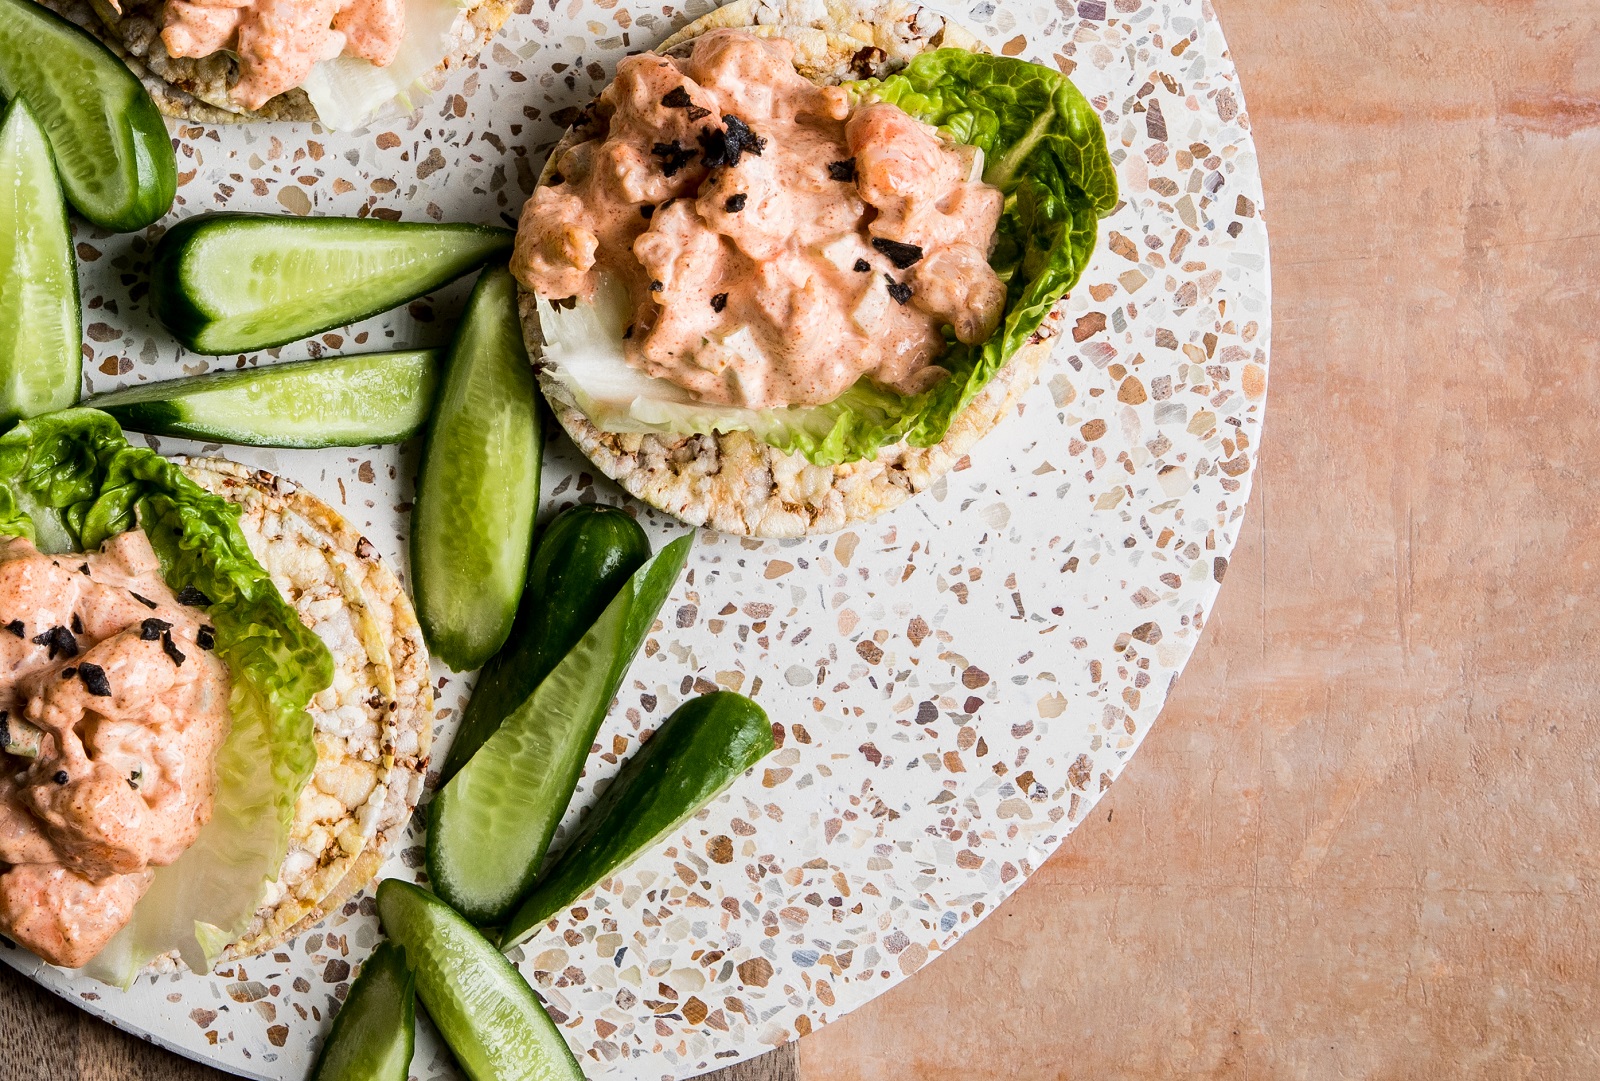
point(153, 692)
point(355, 60)
point(725, 246)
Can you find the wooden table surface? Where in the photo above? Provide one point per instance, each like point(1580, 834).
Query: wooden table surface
point(1362, 840)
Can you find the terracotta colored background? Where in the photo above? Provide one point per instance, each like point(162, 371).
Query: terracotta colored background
point(1361, 842)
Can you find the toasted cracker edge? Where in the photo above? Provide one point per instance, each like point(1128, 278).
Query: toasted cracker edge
point(377, 603)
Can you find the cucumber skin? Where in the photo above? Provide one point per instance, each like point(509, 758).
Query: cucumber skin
point(496, 805)
point(464, 640)
point(585, 556)
point(188, 322)
point(71, 385)
point(155, 164)
point(367, 1041)
point(705, 746)
point(445, 951)
point(166, 416)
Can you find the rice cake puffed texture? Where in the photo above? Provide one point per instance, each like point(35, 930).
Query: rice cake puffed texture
point(373, 724)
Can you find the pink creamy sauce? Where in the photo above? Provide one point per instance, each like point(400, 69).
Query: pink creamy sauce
point(775, 257)
point(278, 41)
point(130, 709)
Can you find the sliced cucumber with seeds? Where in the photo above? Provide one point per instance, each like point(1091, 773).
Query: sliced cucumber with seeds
point(41, 365)
point(478, 487)
point(110, 143)
point(337, 402)
point(705, 746)
point(234, 283)
point(489, 828)
point(373, 1035)
point(494, 1023)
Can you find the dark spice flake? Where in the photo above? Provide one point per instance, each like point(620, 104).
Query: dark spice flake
point(206, 636)
point(725, 145)
point(170, 648)
point(146, 601)
point(57, 640)
point(862, 266)
point(152, 629)
point(83, 569)
point(77, 624)
point(899, 290)
point(735, 203)
point(901, 255)
point(94, 679)
point(60, 777)
point(673, 155)
point(192, 597)
point(68, 672)
point(843, 171)
point(677, 98)
point(656, 287)
point(16, 628)
point(719, 302)
point(647, 211)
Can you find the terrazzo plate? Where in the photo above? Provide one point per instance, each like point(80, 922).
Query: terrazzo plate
point(953, 687)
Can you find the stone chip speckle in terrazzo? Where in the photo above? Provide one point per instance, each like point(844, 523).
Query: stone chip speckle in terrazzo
point(952, 686)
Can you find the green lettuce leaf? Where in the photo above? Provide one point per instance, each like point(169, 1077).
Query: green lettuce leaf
point(1043, 146)
point(69, 480)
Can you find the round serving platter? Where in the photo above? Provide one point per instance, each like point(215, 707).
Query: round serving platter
point(954, 685)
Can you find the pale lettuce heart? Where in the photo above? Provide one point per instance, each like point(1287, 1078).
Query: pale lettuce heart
point(349, 94)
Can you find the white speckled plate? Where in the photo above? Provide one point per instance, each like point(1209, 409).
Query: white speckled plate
point(956, 685)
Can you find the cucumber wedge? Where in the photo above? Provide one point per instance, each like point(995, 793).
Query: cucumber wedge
point(373, 1035)
point(583, 558)
point(705, 746)
point(234, 283)
point(110, 143)
point(338, 402)
point(478, 487)
point(489, 828)
point(41, 366)
point(484, 1009)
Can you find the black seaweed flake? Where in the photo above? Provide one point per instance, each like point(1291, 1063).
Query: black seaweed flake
point(719, 302)
point(84, 569)
point(725, 145)
point(862, 266)
point(152, 629)
point(146, 601)
point(94, 679)
point(656, 287)
point(899, 290)
point(206, 636)
point(16, 628)
point(677, 98)
point(647, 211)
point(735, 203)
point(901, 255)
point(170, 648)
point(697, 113)
point(60, 777)
point(68, 672)
point(5, 728)
point(844, 171)
point(673, 155)
point(192, 597)
point(57, 640)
